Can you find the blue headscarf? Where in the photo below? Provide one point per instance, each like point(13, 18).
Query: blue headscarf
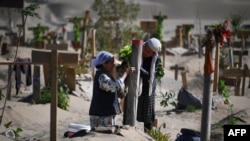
point(101, 58)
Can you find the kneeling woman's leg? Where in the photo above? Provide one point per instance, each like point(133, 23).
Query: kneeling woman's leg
point(101, 121)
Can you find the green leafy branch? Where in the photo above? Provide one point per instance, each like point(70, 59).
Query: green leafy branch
point(232, 120)
point(77, 28)
point(125, 53)
point(159, 72)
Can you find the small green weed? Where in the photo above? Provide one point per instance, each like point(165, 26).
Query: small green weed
point(63, 90)
point(224, 91)
point(168, 98)
point(15, 131)
point(158, 135)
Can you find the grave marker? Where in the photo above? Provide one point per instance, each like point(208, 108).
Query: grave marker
point(176, 68)
point(238, 73)
point(54, 59)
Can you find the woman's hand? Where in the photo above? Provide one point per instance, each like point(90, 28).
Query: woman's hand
point(130, 70)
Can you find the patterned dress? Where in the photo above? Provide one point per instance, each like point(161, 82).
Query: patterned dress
point(104, 104)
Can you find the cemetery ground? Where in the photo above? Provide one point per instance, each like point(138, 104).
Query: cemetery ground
point(34, 119)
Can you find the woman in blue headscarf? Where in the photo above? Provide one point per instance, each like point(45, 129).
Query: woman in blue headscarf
point(104, 104)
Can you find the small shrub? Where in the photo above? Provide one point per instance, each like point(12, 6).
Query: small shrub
point(190, 108)
point(62, 94)
point(158, 135)
point(168, 98)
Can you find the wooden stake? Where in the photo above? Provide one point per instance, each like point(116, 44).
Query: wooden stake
point(216, 68)
point(54, 100)
point(184, 80)
point(36, 83)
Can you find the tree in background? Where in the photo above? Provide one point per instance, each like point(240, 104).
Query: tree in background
point(14, 14)
point(114, 25)
point(236, 21)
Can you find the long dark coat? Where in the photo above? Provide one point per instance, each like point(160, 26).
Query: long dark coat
point(146, 103)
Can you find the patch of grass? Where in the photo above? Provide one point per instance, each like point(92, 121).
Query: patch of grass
point(156, 134)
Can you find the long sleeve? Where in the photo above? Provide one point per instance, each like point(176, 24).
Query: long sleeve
point(144, 73)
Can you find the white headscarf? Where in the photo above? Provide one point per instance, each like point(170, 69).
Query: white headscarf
point(154, 45)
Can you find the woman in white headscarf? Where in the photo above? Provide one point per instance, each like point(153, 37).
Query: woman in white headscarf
point(104, 103)
point(146, 101)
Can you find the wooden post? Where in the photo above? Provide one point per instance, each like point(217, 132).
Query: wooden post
point(186, 32)
point(84, 33)
point(206, 109)
point(9, 82)
point(36, 82)
point(231, 60)
point(207, 91)
point(245, 69)
point(54, 59)
point(93, 50)
point(216, 68)
point(176, 68)
point(179, 36)
point(238, 73)
point(23, 28)
point(164, 55)
point(243, 35)
point(242, 52)
point(54, 100)
point(129, 116)
point(184, 80)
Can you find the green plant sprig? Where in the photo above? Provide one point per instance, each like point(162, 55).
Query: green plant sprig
point(232, 120)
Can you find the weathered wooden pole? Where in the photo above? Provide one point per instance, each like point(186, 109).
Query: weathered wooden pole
point(179, 35)
point(184, 80)
point(164, 55)
point(36, 83)
point(216, 67)
point(231, 57)
point(206, 109)
point(54, 100)
point(93, 49)
point(245, 69)
point(187, 28)
point(130, 110)
point(207, 91)
point(9, 82)
point(84, 34)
